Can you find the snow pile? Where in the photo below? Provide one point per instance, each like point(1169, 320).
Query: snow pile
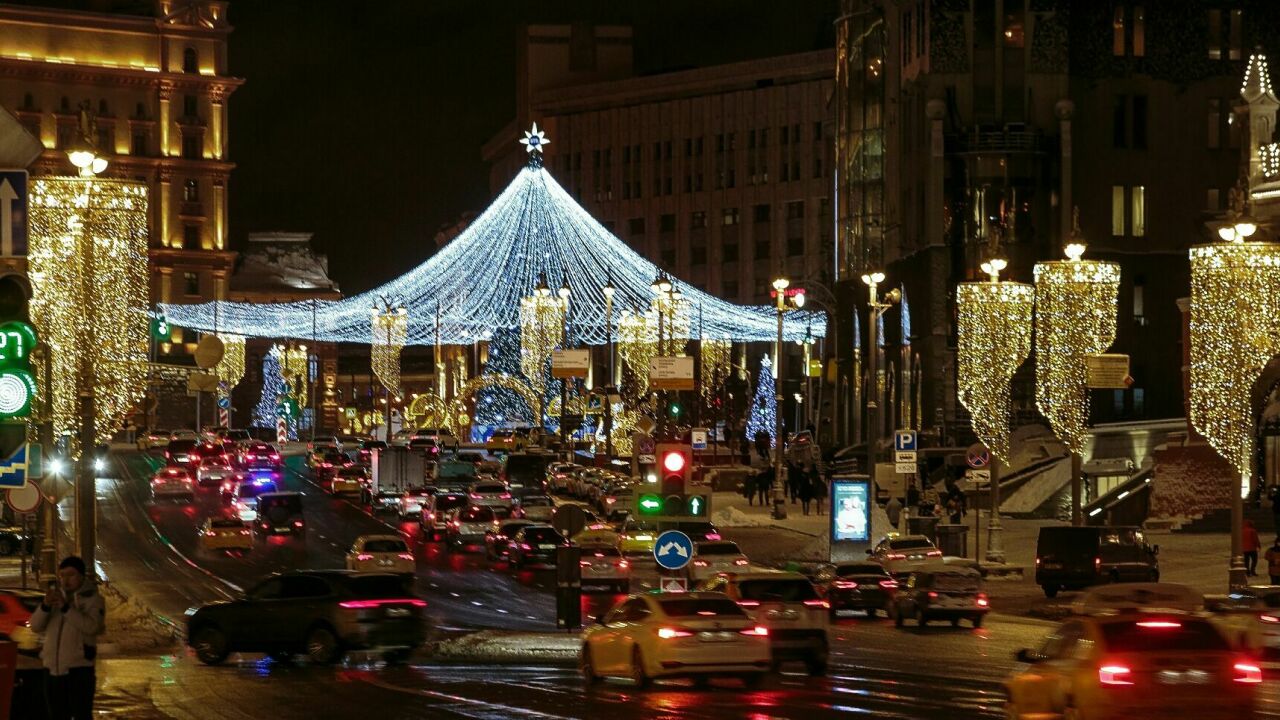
point(733, 517)
point(132, 626)
point(503, 646)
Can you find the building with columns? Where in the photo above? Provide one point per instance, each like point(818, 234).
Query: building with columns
point(966, 128)
point(154, 76)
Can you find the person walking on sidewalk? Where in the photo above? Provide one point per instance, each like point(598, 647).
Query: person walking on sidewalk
point(1273, 561)
point(1251, 545)
point(71, 616)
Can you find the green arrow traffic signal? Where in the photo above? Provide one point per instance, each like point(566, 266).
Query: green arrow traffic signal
point(697, 506)
point(649, 504)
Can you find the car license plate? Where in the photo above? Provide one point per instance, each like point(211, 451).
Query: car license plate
point(397, 612)
point(384, 562)
point(721, 636)
point(546, 547)
point(1053, 566)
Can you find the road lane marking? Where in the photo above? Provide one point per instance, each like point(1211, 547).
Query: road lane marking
point(512, 710)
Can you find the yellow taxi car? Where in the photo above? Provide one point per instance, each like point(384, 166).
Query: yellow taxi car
point(636, 537)
point(225, 533)
point(661, 635)
point(596, 535)
point(1135, 650)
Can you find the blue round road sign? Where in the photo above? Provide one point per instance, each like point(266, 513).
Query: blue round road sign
point(673, 550)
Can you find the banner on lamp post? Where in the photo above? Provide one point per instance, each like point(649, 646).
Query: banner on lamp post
point(1108, 371)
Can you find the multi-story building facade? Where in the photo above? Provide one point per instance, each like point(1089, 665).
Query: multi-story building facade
point(970, 127)
point(720, 175)
point(157, 86)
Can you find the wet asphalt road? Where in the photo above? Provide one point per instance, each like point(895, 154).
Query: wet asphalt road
point(150, 551)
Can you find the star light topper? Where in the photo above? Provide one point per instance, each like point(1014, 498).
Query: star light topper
point(534, 139)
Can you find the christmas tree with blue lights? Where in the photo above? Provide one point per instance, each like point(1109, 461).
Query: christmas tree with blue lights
point(764, 404)
point(499, 405)
point(273, 390)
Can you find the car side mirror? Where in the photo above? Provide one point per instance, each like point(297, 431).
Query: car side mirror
point(1026, 656)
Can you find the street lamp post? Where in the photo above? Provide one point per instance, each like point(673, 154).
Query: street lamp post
point(796, 301)
point(609, 290)
point(875, 308)
point(662, 285)
point(564, 343)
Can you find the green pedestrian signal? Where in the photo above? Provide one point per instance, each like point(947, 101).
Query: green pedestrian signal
point(17, 384)
point(649, 504)
point(675, 409)
point(161, 330)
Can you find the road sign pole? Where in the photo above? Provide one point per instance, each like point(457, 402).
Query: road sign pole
point(1077, 518)
point(995, 544)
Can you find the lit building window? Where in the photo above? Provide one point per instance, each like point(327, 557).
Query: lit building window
point(1117, 210)
point(1233, 35)
point(1139, 209)
point(1215, 34)
point(1139, 310)
point(1117, 32)
point(1139, 31)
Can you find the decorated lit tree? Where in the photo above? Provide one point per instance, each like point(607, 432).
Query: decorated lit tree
point(763, 416)
point(496, 405)
point(273, 389)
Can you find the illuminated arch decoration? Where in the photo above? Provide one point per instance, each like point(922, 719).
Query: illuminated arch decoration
point(534, 228)
point(427, 410)
point(475, 384)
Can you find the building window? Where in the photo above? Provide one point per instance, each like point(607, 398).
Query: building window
point(729, 252)
point(1119, 121)
point(1014, 36)
point(795, 246)
point(191, 191)
point(761, 213)
point(191, 145)
point(65, 104)
point(1117, 210)
point(1128, 31)
point(817, 165)
point(1117, 402)
point(1212, 200)
point(190, 61)
point(1139, 31)
point(729, 289)
point(1138, 209)
point(28, 101)
point(729, 216)
point(795, 210)
point(1215, 34)
point(668, 256)
point(1139, 402)
point(1139, 314)
point(698, 219)
point(139, 146)
point(635, 226)
point(191, 238)
point(192, 282)
point(106, 137)
point(1117, 32)
point(667, 223)
point(1233, 35)
point(762, 248)
point(1215, 123)
point(189, 106)
point(1139, 122)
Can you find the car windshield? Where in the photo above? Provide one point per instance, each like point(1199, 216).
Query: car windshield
point(475, 514)
point(543, 535)
point(848, 570)
point(450, 502)
point(335, 457)
point(955, 582)
point(380, 586)
point(535, 501)
point(777, 590)
point(513, 528)
point(254, 489)
point(385, 546)
point(910, 543)
point(213, 462)
point(352, 472)
point(292, 503)
point(707, 607)
point(1163, 635)
point(717, 548)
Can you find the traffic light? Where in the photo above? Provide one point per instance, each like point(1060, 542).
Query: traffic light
point(674, 409)
point(675, 463)
point(649, 505)
point(17, 340)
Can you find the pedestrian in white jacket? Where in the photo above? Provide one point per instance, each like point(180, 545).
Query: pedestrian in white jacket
point(71, 616)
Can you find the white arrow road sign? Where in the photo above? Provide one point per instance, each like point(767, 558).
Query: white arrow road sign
point(673, 548)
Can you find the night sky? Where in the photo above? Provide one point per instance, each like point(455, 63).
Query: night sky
point(362, 121)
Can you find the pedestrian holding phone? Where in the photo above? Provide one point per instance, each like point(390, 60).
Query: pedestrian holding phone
point(71, 616)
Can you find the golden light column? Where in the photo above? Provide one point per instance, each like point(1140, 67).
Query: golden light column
point(713, 369)
point(390, 327)
point(1234, 321)
point(1076, 306)
point(541, 332)
point(637, 345)
point(993, 328)
point(88, 268)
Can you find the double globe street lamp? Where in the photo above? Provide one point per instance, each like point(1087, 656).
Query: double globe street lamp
point(786, 301)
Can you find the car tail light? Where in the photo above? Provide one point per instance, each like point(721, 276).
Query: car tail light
point(713, 536)
point(667, 633)
point(749, 603)
point(896, 556)
point(406, 556)
point(934, 553)
point(367, 604)
point(476, 496)
point(525, 546)
point(211, 533)
point(1270, 619)
point(623, 564)
point(817, 603)
point(275, 456)
point(244, 532)
point(1159, 624)
point(845, 585)
point(759, 631)
point(364, 556)
point(1037, 561)
point(889, 584)
point(505, 496)
point(741, 561)
point(610, 501)
point(982, 600)
point(1114, 675)
point(699, 563)
point(933, 595)
point(1097, 564)
point(584, 563)
point(326, 465)
point(1247, 672)
point(297, 523)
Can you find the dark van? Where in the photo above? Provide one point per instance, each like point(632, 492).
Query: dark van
point(280, 513)
point(527, 470)
point(1072, 558)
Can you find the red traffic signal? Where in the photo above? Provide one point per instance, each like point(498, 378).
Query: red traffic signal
point(673, 462)
point(676, 462)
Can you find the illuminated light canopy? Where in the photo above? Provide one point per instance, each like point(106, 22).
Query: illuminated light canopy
point(388, 326)
point(993, 324)
point(534, 228)
point(1235, 331)
point(1076, 305)
point(87, 262)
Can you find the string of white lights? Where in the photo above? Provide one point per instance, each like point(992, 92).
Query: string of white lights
point(534, 228)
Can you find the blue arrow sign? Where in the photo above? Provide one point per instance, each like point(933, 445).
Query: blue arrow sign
point(13, 470)
point(224, 402)
point(673, 550)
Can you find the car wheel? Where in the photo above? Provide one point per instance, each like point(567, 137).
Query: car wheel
point(816, 664)
point(210, 645)
point(921, 620)
point(1050, 591)
point(638, 674)
point(871, 613)
point(322, 646)
point(587, 666)
point(977, 621)
point(754, 681)
point(399, 656)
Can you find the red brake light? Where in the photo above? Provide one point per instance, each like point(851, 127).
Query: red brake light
point(845, 584)
point(933, 595)
point(889, 584)
point(934, 553)
point(1247, 672)
point(364, 556)
point(366, 604)
point(1269, 619)
point(741, 561)
point(759, 630)
point(1114, 675)
point(1097, 564)
point(896, 556)
point(749, 603)
point(699, 563)
point(1159, 624)
point(297, 523)
point(406, 556)
point(584, 563)
point(713, 536)
point(667, 633)
point(624, 564)
point(505, 496)
point(982, 600)
point(817, 603)
point(244, 532)
point(611, 501)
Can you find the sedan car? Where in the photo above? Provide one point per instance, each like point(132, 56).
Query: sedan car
point(941, 592)
point(856, 585)
point(497, 539)
point(716, 556)
point(244, 494)
point(327, 468)
point(437, 507)
point(467, 526)
point(385, 501)
point(1251, 618)
point(535, 545)
point(260, 455)
point(789, 606)
point(604, 566)
point(349, 480)
point(413, 500)
point(699, 634)
point(172, 482)
point(536, 507)
point(490, 493)
point(16, 607)
point(380, 553)
point(229, 533)
point(897, 552)
point(213, 470)
point(149, 439)
point(504, 441)
point(322, 613)
point(636, 537)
